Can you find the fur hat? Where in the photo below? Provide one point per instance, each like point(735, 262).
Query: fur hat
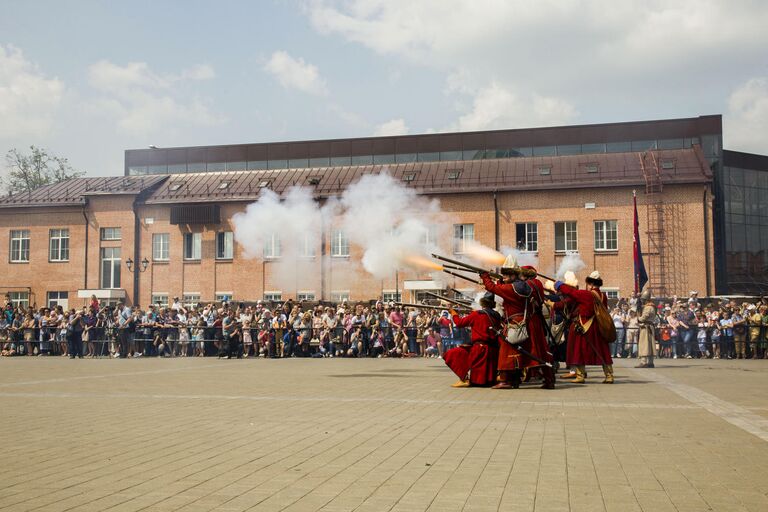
point(595, 279)
point(528, 271)
point(489, 299)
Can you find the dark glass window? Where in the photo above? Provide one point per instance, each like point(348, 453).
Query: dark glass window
point(217, 166)
point(322, 161)
point(593, 148)
point(339, 161)
point(177, 168)
point(643, 145)
point(671, 143)
point(618, 147)
point(429, 157)
point(362, 160)
point(383, 159)
point(448, 156)
point(405, 157)
point(196, 167)
point(472, 154)
point(569, 149)
point(298, 163)
point(278, 164)
point(257, 165)
point(545, 151)
point(236, 166)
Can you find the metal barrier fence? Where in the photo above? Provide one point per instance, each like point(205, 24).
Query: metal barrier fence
point(360, 341)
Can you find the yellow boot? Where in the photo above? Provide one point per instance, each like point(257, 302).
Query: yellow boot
point(608, 370)
point(460, 384)
point(580, 374)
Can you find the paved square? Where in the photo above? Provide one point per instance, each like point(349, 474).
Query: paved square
point(377, 434)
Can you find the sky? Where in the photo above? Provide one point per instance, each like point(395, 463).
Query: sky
point(89, 79)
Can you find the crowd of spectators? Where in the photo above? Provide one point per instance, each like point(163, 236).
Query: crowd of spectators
point(690, 328)
point(229, 331)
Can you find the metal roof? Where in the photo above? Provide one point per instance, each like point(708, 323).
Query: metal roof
point(525, 173)
point(75, 191)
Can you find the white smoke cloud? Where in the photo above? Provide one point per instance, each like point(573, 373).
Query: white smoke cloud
point(572, 262)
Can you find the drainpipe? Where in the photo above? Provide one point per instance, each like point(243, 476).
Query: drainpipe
point(85, 259)
point(706, 242)
point(136, 251)
point(496, 220)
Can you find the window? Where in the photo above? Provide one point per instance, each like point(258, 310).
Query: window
point(19, 245)
point(273, 296)
point(339, 296)
point(272, 246)
point(110, 267)
point(224, 296)
point(462, 233)
point(108, 234)
point(160, 299)
point(339, 244)
point(19, 299)
point(160, 246)
point(606, 235)
point(307, 246)
point(391, 296)
point(612, 293)
point(192, 245)
point(190, 300)
point(527, 236)
point(566, 236)
point(225, 243)
point(305, 296)
point(429, 236)
point(58, 245)
point(58, 299)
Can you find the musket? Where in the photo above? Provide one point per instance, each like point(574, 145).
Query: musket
point(457, 292)
point(462, 277)
point(523, 351)
point(468, 267)
point(423, 306)
point(452, 301)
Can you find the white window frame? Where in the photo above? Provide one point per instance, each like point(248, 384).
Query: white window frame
point(340, 296)
point(19, 299)
point(531, 240)
point(160, 299)
point(272, 247)
point(307, 246)
point(115, 264)
point(570, 236)
point(58, 244)
point(308, 296)
point(611, 291)
point(391, 296)
point(273, 296)
point(224, 297)
point(225, 240)
point(19, 246)
point(161, 246)
point(57, 297)
point(190, 300)
point(339, 244)
point(462, 233)
point(601, 227)
point(110, 234)
point(195, 253)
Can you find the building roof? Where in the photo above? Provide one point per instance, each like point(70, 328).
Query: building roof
point(525, 173)
point(75, 191)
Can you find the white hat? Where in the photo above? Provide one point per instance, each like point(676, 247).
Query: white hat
point(594, 275)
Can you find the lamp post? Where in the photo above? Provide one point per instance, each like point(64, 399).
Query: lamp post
point(144, 265)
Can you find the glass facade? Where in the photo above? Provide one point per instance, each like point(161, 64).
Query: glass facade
point(744, 195)
point(709, 144)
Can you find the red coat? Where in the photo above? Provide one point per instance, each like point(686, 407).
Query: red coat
point(517, 298)
point(584, 348)
point(483, 327)
point(479, 361)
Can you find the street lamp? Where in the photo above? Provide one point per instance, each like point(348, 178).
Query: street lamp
point(144, 264)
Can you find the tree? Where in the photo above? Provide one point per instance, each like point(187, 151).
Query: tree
point(27, 172)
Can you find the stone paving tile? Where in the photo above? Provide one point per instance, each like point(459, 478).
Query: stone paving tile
point(344, 435)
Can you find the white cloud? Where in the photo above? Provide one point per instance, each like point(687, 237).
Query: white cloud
point(391, 127)
point(497, 107)
point(28, 100)
point(746, 123)
point(295, 73)
point(143, 101)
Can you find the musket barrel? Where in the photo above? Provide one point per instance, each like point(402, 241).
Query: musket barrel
point(452, 301)
point(467, 266)
point(462, 277)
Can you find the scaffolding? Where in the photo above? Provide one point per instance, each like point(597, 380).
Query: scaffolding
point(665, 224)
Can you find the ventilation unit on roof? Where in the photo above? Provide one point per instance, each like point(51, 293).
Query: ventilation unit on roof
point(545, 170)
point(453, 174)
point(176, 186)
point(313, 180)
point(410, 176)
point(264, 184)
point(592, 167)
point(668, 164)
point(224, 185)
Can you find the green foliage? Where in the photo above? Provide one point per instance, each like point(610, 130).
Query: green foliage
point(27, 172)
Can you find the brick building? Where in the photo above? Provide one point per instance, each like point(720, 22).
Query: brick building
point(165, 228)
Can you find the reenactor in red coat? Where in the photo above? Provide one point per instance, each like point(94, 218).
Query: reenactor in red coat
point(519, 308)
point(585, 345)
point(475, 364)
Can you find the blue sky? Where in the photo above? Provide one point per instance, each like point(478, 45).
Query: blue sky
point(90, 79)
